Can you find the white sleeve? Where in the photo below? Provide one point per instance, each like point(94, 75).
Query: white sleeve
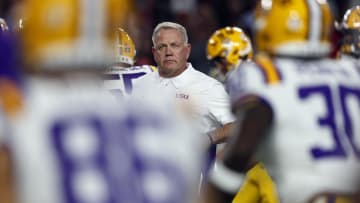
point(140, 85)
point(219, 104)
point(145, 81)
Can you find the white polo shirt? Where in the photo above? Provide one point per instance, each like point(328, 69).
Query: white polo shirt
point(207, 96)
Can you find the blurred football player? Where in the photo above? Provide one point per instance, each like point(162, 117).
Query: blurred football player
point(10, 88)
point(349, 29)
point(228, 47)
point(71, 141)
point(119, 77)
point(297, 109)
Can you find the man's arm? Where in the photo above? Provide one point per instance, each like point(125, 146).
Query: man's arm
point(220, 135)
point(219, 107)
point(254, 117)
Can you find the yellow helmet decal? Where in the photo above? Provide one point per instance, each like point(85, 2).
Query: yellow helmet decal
point(351, 18)
point(125, 48)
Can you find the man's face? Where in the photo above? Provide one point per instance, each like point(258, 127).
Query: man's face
point(170, 52)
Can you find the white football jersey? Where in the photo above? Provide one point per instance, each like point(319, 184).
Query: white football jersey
point(119, 80)
point(81, 145)
point(314, 143)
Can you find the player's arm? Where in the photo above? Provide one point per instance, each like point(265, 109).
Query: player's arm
point(254, 117)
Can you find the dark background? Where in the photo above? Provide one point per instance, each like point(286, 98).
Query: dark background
point(200, 17)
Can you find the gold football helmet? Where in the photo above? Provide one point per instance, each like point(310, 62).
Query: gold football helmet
point(293, 28)
point(63, 34)
point(230, 44)
point(350, 30)
point(125, 48)
point(3, 25)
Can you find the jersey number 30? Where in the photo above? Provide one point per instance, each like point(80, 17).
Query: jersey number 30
point(341, 96)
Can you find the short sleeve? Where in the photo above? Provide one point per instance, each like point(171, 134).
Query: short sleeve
point(219, 104)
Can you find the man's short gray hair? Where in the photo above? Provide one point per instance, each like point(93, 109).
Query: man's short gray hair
point(170, 25)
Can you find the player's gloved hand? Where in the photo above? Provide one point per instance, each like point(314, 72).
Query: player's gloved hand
point(257, 187)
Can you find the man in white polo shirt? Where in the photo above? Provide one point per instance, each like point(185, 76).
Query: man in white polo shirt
point(204, 94)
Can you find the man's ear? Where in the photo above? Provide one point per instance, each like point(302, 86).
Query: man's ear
point(188, 46)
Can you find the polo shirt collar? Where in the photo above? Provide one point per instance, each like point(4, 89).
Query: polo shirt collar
point(181, 80)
